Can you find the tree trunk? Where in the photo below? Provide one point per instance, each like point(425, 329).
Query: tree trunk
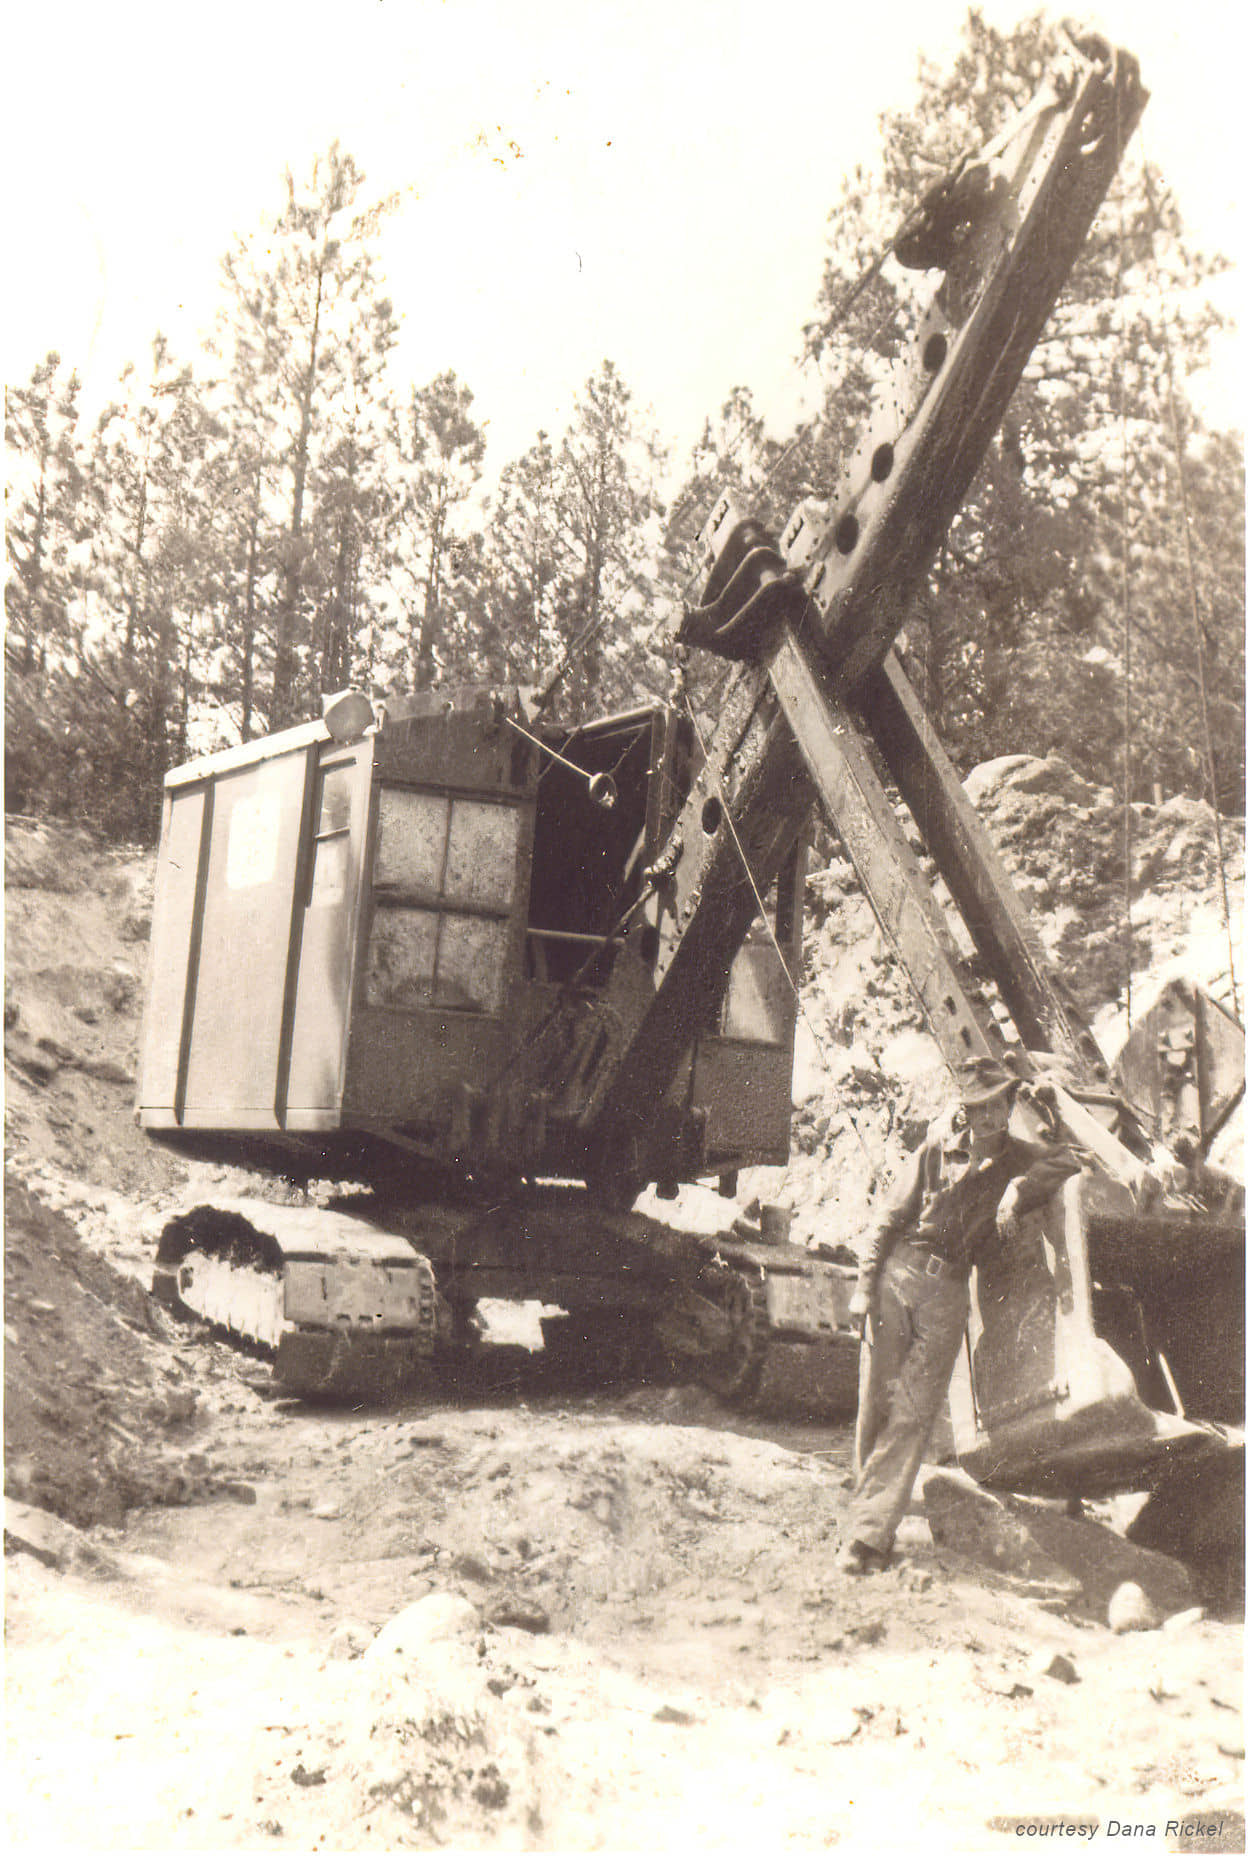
point(248, 669)
point(282, 706)
point(423, 663)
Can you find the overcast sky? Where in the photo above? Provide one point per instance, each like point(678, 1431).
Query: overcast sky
point(641, 179)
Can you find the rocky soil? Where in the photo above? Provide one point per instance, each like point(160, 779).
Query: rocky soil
point(516, 1613)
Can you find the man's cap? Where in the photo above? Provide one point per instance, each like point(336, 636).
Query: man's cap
point(983, 1081)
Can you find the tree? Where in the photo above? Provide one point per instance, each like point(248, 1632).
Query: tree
point(604, 497)
point(45, 529)
point(150, 585)
point(441, 448)
point(521, 551)
point(312, 327)
point(44, 520)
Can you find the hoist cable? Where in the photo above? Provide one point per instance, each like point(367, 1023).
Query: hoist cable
point(727, 816)
point(1195, 618)
point(1122, 372)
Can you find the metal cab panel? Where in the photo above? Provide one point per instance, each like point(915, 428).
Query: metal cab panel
point(258, 885)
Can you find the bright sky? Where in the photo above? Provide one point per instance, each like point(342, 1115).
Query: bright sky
point(641, 179)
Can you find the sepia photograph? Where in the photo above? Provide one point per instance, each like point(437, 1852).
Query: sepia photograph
point(625, 756)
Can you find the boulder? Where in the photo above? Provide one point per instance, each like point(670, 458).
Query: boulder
point(437, 1618)
point(1048, 1665)
point(1023, 1537)
point(1131, 1611)
point(33, 1532)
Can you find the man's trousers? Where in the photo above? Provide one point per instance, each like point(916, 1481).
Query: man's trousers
point(905, 1370)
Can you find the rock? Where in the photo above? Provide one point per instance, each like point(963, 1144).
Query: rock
point(121, 989)
point(1182, 1622)
point(31, 1058)
point(832, 1724)
point(476, 1568)
point(39, 1534)
point(514, 1611)
point(438, 1617)
point(1049, 776)
point(1004, 1686)
point(328, 1510)
point(1058, 1666)
point(963, 1517)
point(1023, 1537)
point(348, 1641)
point(673, 1714)
point(175, 1408)
point(1131, 1611)
point(107, 1070)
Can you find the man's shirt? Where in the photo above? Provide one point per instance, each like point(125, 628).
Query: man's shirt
point(946, 1202)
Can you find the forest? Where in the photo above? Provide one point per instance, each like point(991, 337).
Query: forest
point(275, 516)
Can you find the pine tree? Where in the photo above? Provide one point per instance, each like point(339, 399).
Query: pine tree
point(605, 473)
point(441, 448)
point(45, 531)
point(151, 579)
point(309, 321)
point(520, 564)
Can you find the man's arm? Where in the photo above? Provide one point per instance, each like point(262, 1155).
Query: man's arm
point(898, 1216)
point(1039, 1177)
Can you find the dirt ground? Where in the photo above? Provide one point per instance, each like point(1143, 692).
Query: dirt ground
point(629, 1632)
point(512, 1613)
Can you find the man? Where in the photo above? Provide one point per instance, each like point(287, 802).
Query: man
point(966, 1188)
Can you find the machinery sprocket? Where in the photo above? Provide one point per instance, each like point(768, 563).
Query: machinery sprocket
point(734, 1370)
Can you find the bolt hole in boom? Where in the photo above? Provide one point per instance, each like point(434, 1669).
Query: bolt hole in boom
point(711, 816)
point(882, 463)
point(934, 354)
point(847, 533)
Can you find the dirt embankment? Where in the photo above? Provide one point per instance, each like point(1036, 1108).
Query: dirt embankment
point(101, 1405)
point(77, 919)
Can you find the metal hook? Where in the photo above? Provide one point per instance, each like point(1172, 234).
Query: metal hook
point(600, 787)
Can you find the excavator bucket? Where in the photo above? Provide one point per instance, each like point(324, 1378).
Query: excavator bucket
point(1104, 1348)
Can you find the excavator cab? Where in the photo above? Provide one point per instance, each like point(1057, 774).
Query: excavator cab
point(384, 945)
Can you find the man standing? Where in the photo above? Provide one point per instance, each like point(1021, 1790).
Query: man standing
point(965, 1188)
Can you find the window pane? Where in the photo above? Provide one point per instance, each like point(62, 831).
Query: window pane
point(401, 958)
point(335, 814)
point(481, 859)
point(412, 833)
point(470, 964)
point(330, 866)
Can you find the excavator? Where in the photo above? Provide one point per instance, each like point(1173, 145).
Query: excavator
point(499, 974)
